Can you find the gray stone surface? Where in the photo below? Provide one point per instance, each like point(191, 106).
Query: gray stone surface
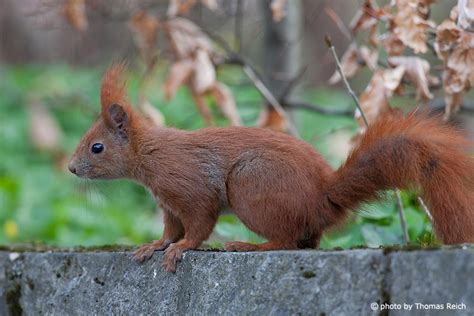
point(209, 283)
point(4, 264)
point(432, 277)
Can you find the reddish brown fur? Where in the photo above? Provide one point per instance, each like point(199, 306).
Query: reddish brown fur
point(280, 187)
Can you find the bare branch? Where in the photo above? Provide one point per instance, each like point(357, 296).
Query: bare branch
point(238, 26)
point(254, 77)
point(316, 108)
point(339, 23)
point(237, 59)
point(344, 79)
point(292, 83)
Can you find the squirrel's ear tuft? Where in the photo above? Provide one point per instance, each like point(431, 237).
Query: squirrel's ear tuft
point(113, 89)
point(113, 98)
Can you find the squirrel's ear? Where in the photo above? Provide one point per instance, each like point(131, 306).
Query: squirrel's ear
point(118, 119)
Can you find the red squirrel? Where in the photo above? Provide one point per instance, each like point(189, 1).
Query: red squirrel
point(280, 187)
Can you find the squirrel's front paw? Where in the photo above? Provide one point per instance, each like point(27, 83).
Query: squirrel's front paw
point(173, 255)
point(146, 251)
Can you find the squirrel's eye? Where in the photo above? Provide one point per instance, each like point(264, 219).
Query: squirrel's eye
point(97, 148)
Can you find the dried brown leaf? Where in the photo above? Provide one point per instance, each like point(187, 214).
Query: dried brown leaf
point(225, 100)
point(393, 45)
point(458, 76)
point(366, 17)
point(392, 79)
point(455, 46)
point(454, 90)
point(186, 37)
point(144, 28)
point(75, 13)
point(204, 76)
point(461, 60)
point(417, 71)
point(179, 74)
point(369, 56)
point(410, 27)
point(447, 37)
point(465, 10)
point(353, 60)
point(203, 109)
point(374, 99)
point(424, 8)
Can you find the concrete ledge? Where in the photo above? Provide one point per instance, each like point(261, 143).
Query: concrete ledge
point(208, 283)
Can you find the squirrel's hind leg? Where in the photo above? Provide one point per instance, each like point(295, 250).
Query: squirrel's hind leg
point(270, 245)
point(311, 241)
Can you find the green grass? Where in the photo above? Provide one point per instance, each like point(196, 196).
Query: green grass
point(41, 203)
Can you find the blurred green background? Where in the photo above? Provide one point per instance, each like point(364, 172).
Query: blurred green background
point(42, 203)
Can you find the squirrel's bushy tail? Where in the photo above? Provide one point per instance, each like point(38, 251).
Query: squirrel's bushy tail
point(413, 151)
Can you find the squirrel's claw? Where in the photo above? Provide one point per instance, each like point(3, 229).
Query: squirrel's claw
point(146, 251)
point(173, 255)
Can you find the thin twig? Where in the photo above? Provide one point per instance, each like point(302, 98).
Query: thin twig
point(290, 85)
point(339, 23)
point(425, 208)
point(344, 79)
point(254, 77)
point(403, 220)
point(356, 100)
point(238, 27)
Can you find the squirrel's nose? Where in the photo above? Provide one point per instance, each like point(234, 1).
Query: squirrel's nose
point(71, 167)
